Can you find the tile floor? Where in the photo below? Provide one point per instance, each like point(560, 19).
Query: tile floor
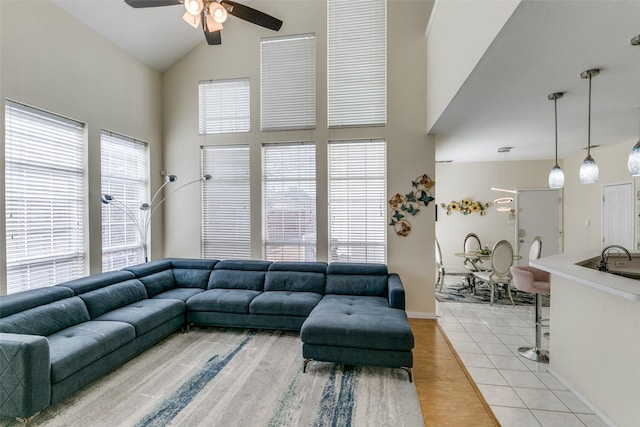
point(520, 392)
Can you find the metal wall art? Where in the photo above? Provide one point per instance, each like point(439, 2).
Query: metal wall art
point(466, 207)
point(409, 204)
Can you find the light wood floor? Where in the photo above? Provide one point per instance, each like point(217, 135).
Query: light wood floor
point(448, 396)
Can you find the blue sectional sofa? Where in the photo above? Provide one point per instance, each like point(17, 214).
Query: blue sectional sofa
point(54, 341)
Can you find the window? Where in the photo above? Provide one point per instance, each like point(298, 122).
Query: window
point(224, 106)
point(357, 64)
point(289, 201)
point(226, 206)
point(288, 75)
point(357, 202)
point(44, 196)
point(125, 169)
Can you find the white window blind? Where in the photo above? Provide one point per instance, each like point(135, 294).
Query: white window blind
point(289, 201)
point(224, 106)
point(357, 62)
point(288, 76)
point(226, 205)
point(44, 196)
point(357, 202)
point(125, 168)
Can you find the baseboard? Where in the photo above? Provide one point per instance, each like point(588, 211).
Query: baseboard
point(580, 397)
point(421, 315)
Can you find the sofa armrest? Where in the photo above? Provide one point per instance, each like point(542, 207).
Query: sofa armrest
point(396, 292)
point(25, 386)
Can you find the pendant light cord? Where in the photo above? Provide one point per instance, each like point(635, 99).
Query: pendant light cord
point(589, 122)
point(555, 107)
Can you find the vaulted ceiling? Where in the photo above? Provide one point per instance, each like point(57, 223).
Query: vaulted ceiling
point(542, 49)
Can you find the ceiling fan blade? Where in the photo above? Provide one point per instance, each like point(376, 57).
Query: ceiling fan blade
point(251, 15)
point(151, 3)
point(211, 30)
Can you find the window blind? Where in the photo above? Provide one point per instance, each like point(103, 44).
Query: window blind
point(226, 205)
point(44, 197)
point(224, 106)
point(357, 62)
point(289, 201)
point(288, 82)
point(125, 168)
point(357, 202)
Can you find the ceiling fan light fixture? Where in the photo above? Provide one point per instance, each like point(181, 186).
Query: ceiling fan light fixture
point(211, 24)
point(192, 20)
point(194, 7)
point(218, 12)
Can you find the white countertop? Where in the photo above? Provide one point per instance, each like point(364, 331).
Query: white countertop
point(564, 265)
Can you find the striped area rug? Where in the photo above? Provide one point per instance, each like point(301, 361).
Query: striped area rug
point(227, 377)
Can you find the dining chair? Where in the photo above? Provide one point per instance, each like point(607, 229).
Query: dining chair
point(500, 274)
point(471, 246)
point(442, 271)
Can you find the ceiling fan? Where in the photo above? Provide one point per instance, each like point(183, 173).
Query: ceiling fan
point(212, 14)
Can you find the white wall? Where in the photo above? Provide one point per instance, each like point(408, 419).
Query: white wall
point(410, 151)
point(473, 180)
point(583, 203)
point(459, 33)
point(53, 62)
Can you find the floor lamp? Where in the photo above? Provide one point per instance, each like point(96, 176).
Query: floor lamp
point(147, 209)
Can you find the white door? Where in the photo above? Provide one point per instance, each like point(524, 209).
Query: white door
point(538, 214)
point(617, 215)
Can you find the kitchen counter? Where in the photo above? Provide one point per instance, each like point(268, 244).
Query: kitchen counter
point(564, 265)
point(595, 332)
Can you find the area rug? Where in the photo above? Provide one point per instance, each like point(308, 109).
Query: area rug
point(459, 292)
point(227, 377)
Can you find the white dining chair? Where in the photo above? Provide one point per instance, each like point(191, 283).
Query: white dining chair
point(500, 274)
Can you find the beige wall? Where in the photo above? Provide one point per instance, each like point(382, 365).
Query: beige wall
point(410, 151)
point(473, 180)
point(584, 202)
point(459, 33)
point(53, 62)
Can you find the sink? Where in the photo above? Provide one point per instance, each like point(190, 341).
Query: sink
point(618, 265)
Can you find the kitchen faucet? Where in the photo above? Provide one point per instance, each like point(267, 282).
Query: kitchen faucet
point(604, 262)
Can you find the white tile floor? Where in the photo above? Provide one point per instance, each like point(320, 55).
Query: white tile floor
point(520, 392)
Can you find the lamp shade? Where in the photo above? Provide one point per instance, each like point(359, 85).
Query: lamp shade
point(556, 177)
point(589, 173)
point(634, 160)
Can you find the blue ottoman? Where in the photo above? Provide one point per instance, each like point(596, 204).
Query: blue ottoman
point(358, 330)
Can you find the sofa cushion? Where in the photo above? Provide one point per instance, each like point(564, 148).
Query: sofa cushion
point(357, 321)
point(232, 274)
point(192, 273)
point(182, 294)
point(75, 347)
point(351, 278)
point(97, 281)
point(46, 319)
point(15, 303)
point(113, 296)
point(159, 282)
point(147, 314)
point(284, 303)
point(223, 300)
point(147, 268)
point(296, 276)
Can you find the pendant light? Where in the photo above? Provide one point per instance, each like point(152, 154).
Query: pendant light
point(634, 156)
point(589, 173)
point(556, 176)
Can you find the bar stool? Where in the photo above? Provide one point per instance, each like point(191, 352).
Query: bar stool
point(537, 282)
